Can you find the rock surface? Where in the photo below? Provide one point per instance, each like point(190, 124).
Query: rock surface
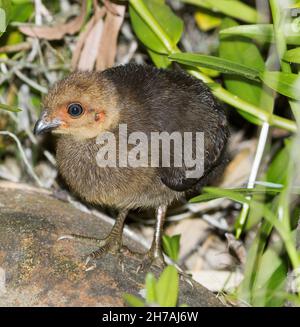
point(38, 270)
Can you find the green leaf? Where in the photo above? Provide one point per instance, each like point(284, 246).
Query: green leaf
point(226, 193)
point(287, 84)
point(171, 245)
point(233, 8)
point(255, 253)
point(14, 37)
point(21, 12)
point(296, 5)
point(223, 192)
point(207, 21)
point(219, 64)
point(150, 289)
point(244, 291)
point(5, 14)
point(262, 32)
point(270, 281)
point(271, 218)
point(19, 2)
point(133, 301)
point(205, 197)
point(277, 170)
point(9, 108)
point(243, 51)
point(292, 55)
point(160, 60)
point(168, 21)
point(167, 287)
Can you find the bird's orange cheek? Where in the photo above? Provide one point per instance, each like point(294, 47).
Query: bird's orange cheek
point(62, 114)
point(64, 124)
point(100, 117)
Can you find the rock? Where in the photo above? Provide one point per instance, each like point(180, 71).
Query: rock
point(38, 270)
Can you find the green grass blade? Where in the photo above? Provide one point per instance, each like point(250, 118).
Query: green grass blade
point(232, 8)
point(9, 108)
point(287, 84)
point(171, 245)
point(223, 65)
point(133, 301)
point(167, 287)
point(262, 33)
point(151, 296)
point(292, 55)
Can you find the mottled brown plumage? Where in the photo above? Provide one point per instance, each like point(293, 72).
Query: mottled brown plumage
point(148, 100)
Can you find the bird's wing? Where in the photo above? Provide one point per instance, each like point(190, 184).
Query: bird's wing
point(214, 147)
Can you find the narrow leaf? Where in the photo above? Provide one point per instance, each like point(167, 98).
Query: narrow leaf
point(133, 301)
point(9, 108)
point(222, 193)
point(219, 64)
point(277, 170)
point(270, 281)
point(167, 287)
point(169, 22)
point(159, 60)
point(150, 289)
point(292, 55)
point(262, 32)
point(284, 83)
point(171, 246)
point(233, 8)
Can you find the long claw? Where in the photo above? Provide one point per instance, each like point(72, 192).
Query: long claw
point(150, 260)
point(87, 260)
point(66, 237)
point(92, 267)
point(111, 244)
point(121, 262)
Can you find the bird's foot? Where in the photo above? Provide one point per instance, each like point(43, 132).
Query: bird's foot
point(111, 244)
point(150, 259)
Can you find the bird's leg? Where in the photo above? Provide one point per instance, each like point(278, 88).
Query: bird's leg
point(112, 243)
point(155, 256)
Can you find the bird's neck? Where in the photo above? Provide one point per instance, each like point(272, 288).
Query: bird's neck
point(76, 158)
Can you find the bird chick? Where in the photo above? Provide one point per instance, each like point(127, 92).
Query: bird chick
point(86, 105)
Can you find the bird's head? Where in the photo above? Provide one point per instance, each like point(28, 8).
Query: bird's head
point(82, 105)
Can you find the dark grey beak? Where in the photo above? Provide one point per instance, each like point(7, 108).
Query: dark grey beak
point(44, 125)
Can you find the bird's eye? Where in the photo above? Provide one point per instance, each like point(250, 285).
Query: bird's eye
point(75, 110)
